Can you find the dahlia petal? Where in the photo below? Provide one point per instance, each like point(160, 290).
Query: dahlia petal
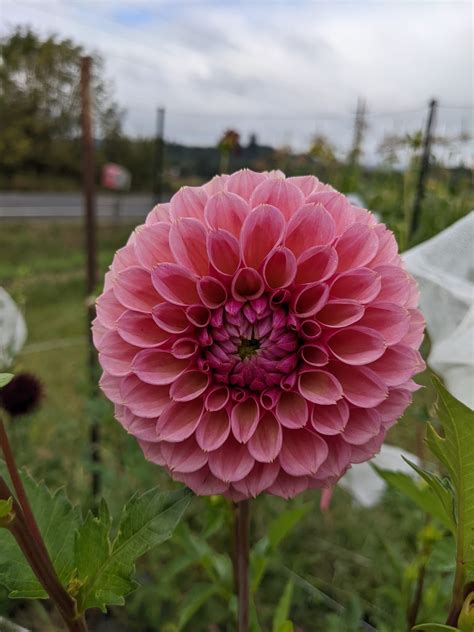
point(244, 182)
point(247, 285)
point(262, 476)
point(261, 232)
point(269, 398)
point(224, 252)
point(158, 367)
point(188, 386)
point(110, 386)
point(152, 452)
point(244, 418)
point(109, 309)
point(413, 295)
point(98, 332)
point(361, 386)
point(390, 320)
point(279, 269)
point(141, 330)
point(124, 258)
point(356, 345)
point(316, 265)
point(279, 193)
point(394, 406)
point(314, 355)
point(143, 429)
point(171, 318)
point(387, 250)
point(216, 398)
point(144, 400)
point(310, 226)
point(231, 462)
point(265, 443)
point(310, 330)
point(287, 486)
point(395, 286)
point(302, 452)
point(203, 483)
point(152, 245)
point(183, 457)
point(319, 387)
point(366, 451)
point(364, 424)
point(175, 284)
point(179, 420)
point(188, 202)
point(218, 183)
point(416, 329)
point(337, 206)
point(306, 184)
point(116, 356)
point(309, 299)
point(198, 315)
point(330, 420)
point(134, 289)
point(188, 243)
point(356, 246)
point(211, 292)
point(397, 365)
point(184, 348)
point(361, 285)
point(213, 430)
point(340, 313)
point(292, 410)
point(227, 211)
point(159, 213)
point(338, 461)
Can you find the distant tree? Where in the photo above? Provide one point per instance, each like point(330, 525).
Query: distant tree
point(40, 106)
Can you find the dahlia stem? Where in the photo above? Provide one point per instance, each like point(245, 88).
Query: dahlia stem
point(242, 517)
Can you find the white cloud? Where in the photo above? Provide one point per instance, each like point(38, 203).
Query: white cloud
point(282, 69)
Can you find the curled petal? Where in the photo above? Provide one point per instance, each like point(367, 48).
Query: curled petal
point(292, 410)
point(340, 313)
point(141, 330)
point(361, 386)
point(361, 285)
point(261, 232)
point(216, 398)
point(330, 420)
point(175, 284)
point(302, 452)
point(179, 420)
point(184, 348)
point(316, 265)
point(213, 430)
point(158, 367)
point(265, 443)
point(247, 285)
point(224, 251)
point(198, 315)
point(227, 211)
point(309, 300)
point(244, 419)
point(152, 245)
point(211, 292)
point(279, 193)
point(310, 226)
point(279, 268)
point(319, 387)
point(188, 242)
point(356, 246)
point(189, 386)
point(231, 462)
point(310, 330)
point(314, 355)
point(356, 345)
point(134, 289)
point(171, 318)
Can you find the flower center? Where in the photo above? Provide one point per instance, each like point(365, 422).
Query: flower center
point(248, 348)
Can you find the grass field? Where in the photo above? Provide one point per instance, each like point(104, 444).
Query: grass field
point(348, 565)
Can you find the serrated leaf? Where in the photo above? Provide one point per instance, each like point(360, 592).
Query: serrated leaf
point(423, 496)
point(57, 521)
point(105, 567)
point(280, 618)
point(6, 507)
point(194, 600)
point(435, 627)
point(456, 451)
point(5, 378)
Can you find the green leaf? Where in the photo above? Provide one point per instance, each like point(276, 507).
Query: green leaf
point(57, 521)
point(5, 378)
point(286, 626)
point(435, 627)
point(283, 607)
point(6, 507)
point(456, 451)
point(105, 566)
point(194, 600)
point(285, 522)
point(422, 495)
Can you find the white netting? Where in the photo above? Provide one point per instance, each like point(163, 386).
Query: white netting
point(444, 269)
point(12, 330)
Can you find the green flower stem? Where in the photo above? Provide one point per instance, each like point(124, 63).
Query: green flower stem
point(25, 530)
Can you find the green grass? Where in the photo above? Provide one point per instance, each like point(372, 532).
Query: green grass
point(357, 558)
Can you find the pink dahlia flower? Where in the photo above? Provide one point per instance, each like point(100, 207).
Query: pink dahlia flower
point(258, 334)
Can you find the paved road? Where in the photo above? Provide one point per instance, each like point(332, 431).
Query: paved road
point(70, 205)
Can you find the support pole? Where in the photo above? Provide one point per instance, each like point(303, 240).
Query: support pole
point(91, 252)
point(158, 163)
point(424, 167)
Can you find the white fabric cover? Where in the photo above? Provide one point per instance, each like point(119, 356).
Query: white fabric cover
point(12, 330)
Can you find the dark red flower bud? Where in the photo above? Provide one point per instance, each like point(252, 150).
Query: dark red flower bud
point(22, 395)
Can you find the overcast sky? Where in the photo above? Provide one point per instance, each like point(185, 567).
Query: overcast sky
point(285, 69)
